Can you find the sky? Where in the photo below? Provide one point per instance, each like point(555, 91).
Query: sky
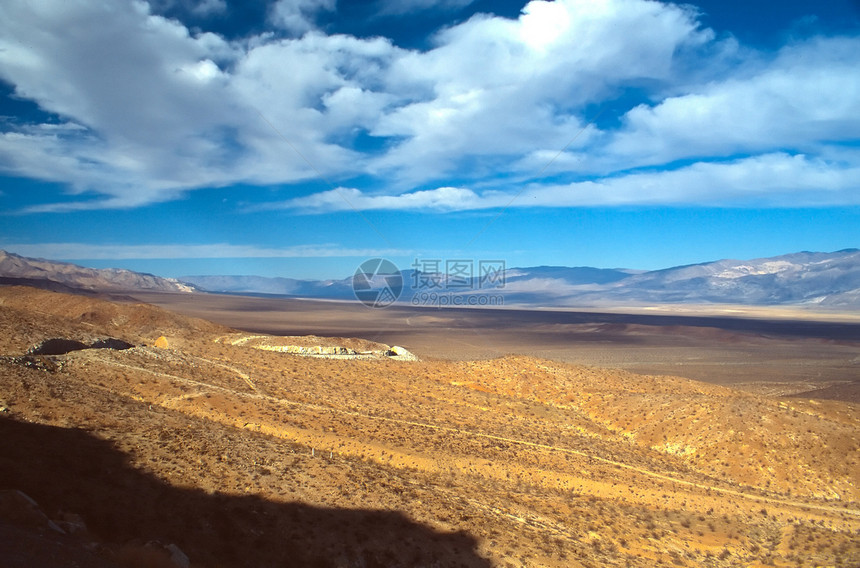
point(298, 138)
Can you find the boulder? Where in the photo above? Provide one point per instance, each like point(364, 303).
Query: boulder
point(401, 354)
point(71, 523)
point(177, 556)
point(21, 510)
point(111, 343)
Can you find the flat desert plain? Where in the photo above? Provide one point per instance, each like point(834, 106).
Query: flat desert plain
point(283, 433)
point(769, 350)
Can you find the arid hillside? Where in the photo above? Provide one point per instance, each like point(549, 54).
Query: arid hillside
point(63, 276)
point(243, 450)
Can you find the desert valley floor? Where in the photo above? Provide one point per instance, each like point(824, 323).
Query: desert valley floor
point(514, 440)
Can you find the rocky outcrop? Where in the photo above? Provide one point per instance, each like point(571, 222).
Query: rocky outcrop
point(312, 350)
point(66, 541)
point(19, 509)
point(401, 354)
point(111, 343)
point(335, 351)
point(322, 347)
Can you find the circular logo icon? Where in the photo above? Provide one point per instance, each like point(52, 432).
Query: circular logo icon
point(377, 283)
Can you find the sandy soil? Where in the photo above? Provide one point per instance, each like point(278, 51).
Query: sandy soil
point(247, 457)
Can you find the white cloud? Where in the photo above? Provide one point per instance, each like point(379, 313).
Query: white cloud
point(297, 16)
point(210, 7)
point(79, 251)
point(149, 110)
point(809, 95)
point(144, 90)
point(157, 110)
point(773, 180)
point(501, 88)
point(342, 198)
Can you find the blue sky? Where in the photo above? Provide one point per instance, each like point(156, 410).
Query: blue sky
point(299, 137)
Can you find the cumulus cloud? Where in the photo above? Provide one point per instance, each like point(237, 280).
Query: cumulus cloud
point(143, 109)
point(157, 109)
point(500, 88)
point(809, 95)
point(128, 79)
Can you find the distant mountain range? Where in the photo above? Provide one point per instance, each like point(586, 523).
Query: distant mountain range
point(65, 277)
point(804, 278)
point(810, 278)
point(331, 289)
point(412, 283)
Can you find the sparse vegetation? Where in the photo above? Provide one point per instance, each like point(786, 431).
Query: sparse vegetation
point(534, 462)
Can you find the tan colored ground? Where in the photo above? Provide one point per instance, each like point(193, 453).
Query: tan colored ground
point(248, 457)
point(771, 351)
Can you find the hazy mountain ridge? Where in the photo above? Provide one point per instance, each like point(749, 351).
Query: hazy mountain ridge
point(50, 274)
point(798, 278)
point(414, 282)
point(804, 278)
point(278, 286)
point(816, 278)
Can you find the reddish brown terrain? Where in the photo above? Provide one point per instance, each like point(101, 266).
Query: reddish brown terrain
point(238, 450)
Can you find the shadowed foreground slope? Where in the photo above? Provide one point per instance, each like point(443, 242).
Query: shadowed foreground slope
point(69, 469)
